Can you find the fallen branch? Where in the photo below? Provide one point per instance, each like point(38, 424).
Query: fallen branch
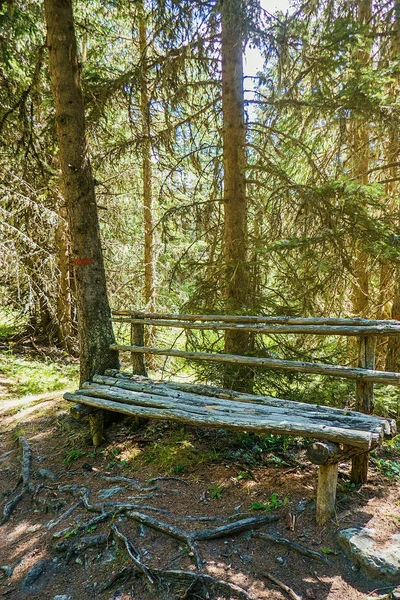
point(24, 478)
point(293, 545)
point(235, 527)
point(283, 587)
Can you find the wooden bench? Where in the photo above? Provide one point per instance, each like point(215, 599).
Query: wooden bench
point(339, 434)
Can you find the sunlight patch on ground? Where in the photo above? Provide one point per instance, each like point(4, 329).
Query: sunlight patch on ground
point(27, 401)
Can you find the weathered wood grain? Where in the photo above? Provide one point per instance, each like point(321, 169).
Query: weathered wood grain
point(272, 363)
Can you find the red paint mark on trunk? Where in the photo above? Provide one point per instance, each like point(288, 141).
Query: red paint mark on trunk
point(82, 261)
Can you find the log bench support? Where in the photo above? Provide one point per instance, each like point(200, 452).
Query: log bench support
point(326, 492)
point(327, 456)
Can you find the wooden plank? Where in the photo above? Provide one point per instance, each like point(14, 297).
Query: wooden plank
point(272, 363)
point(346, 330)
point(282, 320)
point(361, 439)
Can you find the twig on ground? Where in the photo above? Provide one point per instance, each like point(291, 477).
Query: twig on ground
point(283, 587)
point(294, 546)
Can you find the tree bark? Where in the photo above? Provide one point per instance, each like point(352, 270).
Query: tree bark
point(94, 327)
point(147, 174)
point(64, 295)
point(360, 165)
point(392, 192)
point(234, 160)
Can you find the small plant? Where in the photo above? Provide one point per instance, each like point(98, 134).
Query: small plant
point(390, 468)
point(91, 529)
point(178, 469)
point(216, 492)
point(69, 533)
point(325, 550)
point(273, 503)
point(73, 455)
point(244, 475)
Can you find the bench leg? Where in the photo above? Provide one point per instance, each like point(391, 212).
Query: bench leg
point(359, 468)
point(96, 421)
point(326, 492)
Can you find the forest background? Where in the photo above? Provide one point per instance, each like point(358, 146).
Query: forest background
point(321, 173)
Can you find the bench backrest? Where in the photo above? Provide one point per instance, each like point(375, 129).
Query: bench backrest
point(365, 330)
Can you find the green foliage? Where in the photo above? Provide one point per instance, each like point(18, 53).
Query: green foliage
point(251, 449)
point(390, 468)
point(11, 323)
point(33, 376)
point(216, 491)
point(73, 455)
point(177, 454)
point(325, 550)
point(275, 502)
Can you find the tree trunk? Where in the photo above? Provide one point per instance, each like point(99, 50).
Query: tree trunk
point(360, 164)
point(392, 191)
point(94, 327)
point(234, 160)
point(64, 295)
point(147, 173)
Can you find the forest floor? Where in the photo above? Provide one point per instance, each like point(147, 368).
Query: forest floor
point(190, 478)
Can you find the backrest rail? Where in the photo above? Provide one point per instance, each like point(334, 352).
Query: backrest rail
point(256, 319)
point(356, 373)
point(387, 329)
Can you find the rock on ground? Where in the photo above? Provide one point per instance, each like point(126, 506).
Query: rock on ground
point(379, 561)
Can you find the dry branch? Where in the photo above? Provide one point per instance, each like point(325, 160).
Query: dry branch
point(299, 548)
point(283, 587)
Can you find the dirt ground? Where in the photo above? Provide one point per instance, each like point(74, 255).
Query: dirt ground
point(189, 474)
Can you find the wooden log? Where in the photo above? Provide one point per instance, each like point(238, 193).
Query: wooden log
point(145, 384)
point(280, 407)
point(282, 320)
point(272, 363)
point(193, 403)
point(323, 453)
point(96, 421)
point(137, 339)
point(80, 411)
point(326, 492)
point(303, 428)
point(364, 403)
point(346, 330)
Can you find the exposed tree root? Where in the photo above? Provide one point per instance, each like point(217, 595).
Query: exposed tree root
point(65, 515)
point(24, 479)
point(283, 587)
point(294, 546)
point(192, 583)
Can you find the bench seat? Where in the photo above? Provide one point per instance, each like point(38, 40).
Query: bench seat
point(216, 407)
